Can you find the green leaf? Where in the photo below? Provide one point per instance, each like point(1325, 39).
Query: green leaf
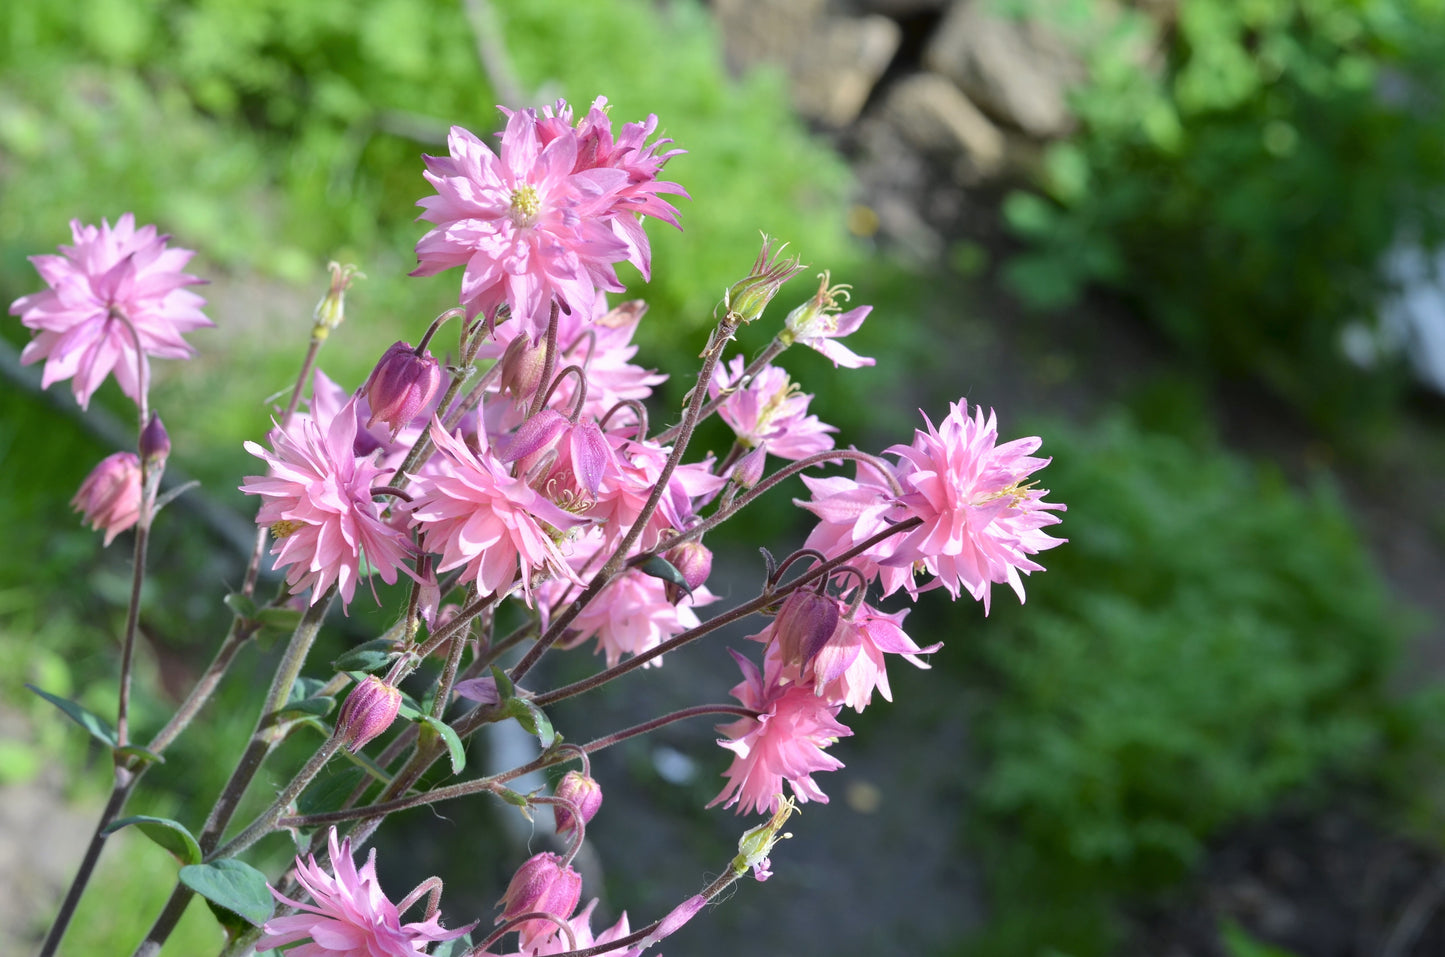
point(505, 689)
point(171, 835)
point(455, 749)
point(145, 755)
point(318, 707)
point(453, 948)
point(515, 798)
point(232, 886)
point(329, 791)
point(303, 688)
point(659, 567)
point(370, 656)
point(242, 605)
point(531, 718)
point(98, 727)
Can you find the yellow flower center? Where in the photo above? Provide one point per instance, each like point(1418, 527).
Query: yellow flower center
point(283, 528)
point(525, 204)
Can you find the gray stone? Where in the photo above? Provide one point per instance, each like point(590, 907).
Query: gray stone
point(832, 62)
point(934, 116)
point(1017, 70)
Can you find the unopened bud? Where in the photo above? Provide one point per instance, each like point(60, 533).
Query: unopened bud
point(803, 626)
point(331, 310)
point(368, 711)
point(543, 884)
point(400, 386)
point(694, 561)
point(584, 793)
point(155, 444)
point(109, 498)
point(748, 470)
point(522, 366)
point(746, 299)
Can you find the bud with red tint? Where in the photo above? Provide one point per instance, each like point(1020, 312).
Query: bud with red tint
point(542, 884)
point(401, 385)
point(367, 712)
point(694, 561)
point(584, 793)
point(804, 624)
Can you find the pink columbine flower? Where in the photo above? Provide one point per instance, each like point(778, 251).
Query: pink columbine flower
point(817, 323)
point(581, 927)
point(850, 667)
point(784, 742)
point(109, 498)
point(116, 296)
point(349, 915)
point(318, 503)
point(474, 513)
point(769, 410)
point(633, 614)
point(851, 511)
point(981, 519)
point(546, 219)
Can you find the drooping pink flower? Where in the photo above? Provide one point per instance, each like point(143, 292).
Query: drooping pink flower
point(784, 742)
point(348, 914)
point(109, 498)
point(116, 297)
point(318, 503)
point(817, 323)
point(769, 410)
point(474, 513)
point(851, 667)
point(632, 615)
point(981, 519)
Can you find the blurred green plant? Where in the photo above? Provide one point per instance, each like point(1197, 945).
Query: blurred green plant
point(1208, 641)
point(1241, 171)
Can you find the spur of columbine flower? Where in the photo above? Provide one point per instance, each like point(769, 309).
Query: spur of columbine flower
point(349, 915)
point(318, 504)
point(981, 519)
point(784, 742)
point(116, 296)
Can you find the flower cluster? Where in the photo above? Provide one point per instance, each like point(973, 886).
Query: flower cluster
point(525, 471)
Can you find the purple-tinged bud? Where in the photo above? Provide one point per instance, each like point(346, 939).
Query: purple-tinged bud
point(481, 690)
point(748, 470)
point(538, 434)
point(746, 299)
point(109, 498)
point(522, 366)
point(400, 386)
point(584, 793)
point(803, 626)
point(155, 444)
point(368, 711)
point(694, 561)
point(543, 884)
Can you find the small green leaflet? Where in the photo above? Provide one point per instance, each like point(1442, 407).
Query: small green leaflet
point(171, 835)
point(532, 719)
point(455, 749)
point(98, 727)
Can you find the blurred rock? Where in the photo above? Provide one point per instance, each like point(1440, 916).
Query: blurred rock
point(933, 116)
point(832, 62)
point(1018, 70)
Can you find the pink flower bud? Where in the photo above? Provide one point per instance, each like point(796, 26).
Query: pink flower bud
point(109, 498)
point(522, 366)
point(155, 444)
point(803, 626)
point(368, 711)
point(402, 383)
point(694, 561)
point(584, 793)
point(543, 884)
point(748, 470)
